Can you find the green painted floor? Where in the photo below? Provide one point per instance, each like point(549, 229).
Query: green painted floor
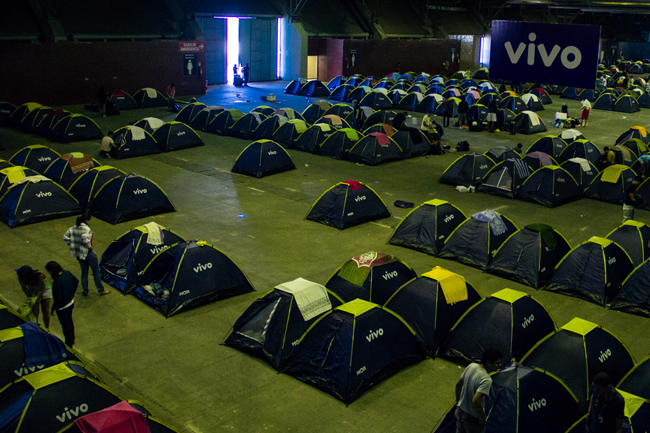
point(176, 366)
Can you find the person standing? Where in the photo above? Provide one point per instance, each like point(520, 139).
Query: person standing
point(584, 112)
point(358, 115)
point(171, 94)
point(463, 108)
point(235, 70)
point(446, 111)
point(472, 387)
point(64, 286)
point(101, 101)
point(631, 199)
point(80, 240)
point(247, 74)
point(493, 107)
point(606, 407)
point(38, 292)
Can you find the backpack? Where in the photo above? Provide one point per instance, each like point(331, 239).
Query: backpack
point(462, 146)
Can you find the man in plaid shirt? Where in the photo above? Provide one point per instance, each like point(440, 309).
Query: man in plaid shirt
point(80, 240)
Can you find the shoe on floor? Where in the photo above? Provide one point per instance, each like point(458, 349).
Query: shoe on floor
point(107, 292)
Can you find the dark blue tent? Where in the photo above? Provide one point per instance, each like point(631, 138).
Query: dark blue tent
point(200, 116)
point(469, 169)
point(129, 197)
point(634, 296)
point(6, 108)
point(339, 143)
point(265, 130)
point(188, 275)
point(477, 238)
point(432, 303)
point(289, 132)
point(517, 322)
point(427, 227)
point(313, 137)
point(87, 185)
point(315, 111)
point(294, 86)
point(634, 237)
point(263, 158)
point(605, 102)
point(412, 141)
point(36, 199)
point(380, 116)
point(13, 174)
point(175, 136)
point(347, 204)
point(122, 100)
point(272, 324)
point(67, 168)
point(610, 184)
point(549, 144)
point(372, 276)
point(75, 127)
point(637, 380)
point(313, 88)
point(341, 93)
point(355, 360)
point(626, 104)
point(514, 104)
point(376, 100)
point(550, 186)
point(506, 178)
point(133, 141)
point(223, 121)
point(245, 126)
point(129, 254)
point(580, 148)
point(37, 157)
point(148, 97)
point(578, 351)
point(581, 170)
point(594, 271)
point(529, 255)
point(375, 148)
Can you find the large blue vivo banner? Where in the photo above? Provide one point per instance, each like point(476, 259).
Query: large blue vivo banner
point(559, 54)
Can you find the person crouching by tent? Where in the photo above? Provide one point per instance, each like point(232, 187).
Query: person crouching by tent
point(433, 131)
point(399, 122)
point(38, 294)
point(107, 145)
point(471, 389)
point(64, 286)
point(584, 112)
point(631, 199)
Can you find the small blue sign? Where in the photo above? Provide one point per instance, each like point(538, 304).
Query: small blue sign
point(560, 54)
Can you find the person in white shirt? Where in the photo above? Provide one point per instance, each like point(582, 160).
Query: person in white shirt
point(107, 145)
point(472, 387)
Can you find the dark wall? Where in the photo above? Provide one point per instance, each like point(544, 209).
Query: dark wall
point(71, 73)
point(379, 57)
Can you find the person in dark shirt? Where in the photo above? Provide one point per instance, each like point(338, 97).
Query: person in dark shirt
point(447, 108)
point(101, 101)
point(606, 407)
point(631, 199)
point(64, 286)
point(399, 122)
point(463, 107)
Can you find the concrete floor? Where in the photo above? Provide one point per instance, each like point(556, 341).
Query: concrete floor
point(176, 366)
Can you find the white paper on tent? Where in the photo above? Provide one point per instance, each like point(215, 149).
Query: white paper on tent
point(311, 298)
point(154, 122)
point(152, 93)
point(584, 164)
point(154, 234)
point(137, 133)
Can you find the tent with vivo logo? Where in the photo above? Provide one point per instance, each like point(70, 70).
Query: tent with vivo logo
point(263, 158)
point(129, 197)
point(26, 349)
point(9, 318)
point(47, 400)
point(69, 167)
point(524, 399)
point(348, 204)
point(516, 323)
point(37, 157)
point(273, 324)
point(132, 252)
point(188, 275)
point(75, 127)
point(133, 141)
point(91, 181)
point(375, 148)
point(371, 276)
point(36, 198)
point(427, 226)
point(578, 351)
point(176, 136)
point(365, 345)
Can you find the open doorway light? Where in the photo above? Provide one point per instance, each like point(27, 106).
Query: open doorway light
point(232, 46)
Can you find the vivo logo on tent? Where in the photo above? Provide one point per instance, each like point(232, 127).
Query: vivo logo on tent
point(68, 414)
point(561, 179)
point(448, 218)
point(528, 321)
point(272, 152)
point(611, 261)
point(548, 57)
point(483, 166)
point(156, 250)
point(80, 125)
point(536, 404)
point(184, 292)
point(361, 370)
point(201, 267)
point(604, 355)
point(27, 211)
point(44, 158)
point(44, 194)
point(388, 275)
point(139, 191)
point(360, 198)
point(374, 334)
point(179, 133)
point(27, 370)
